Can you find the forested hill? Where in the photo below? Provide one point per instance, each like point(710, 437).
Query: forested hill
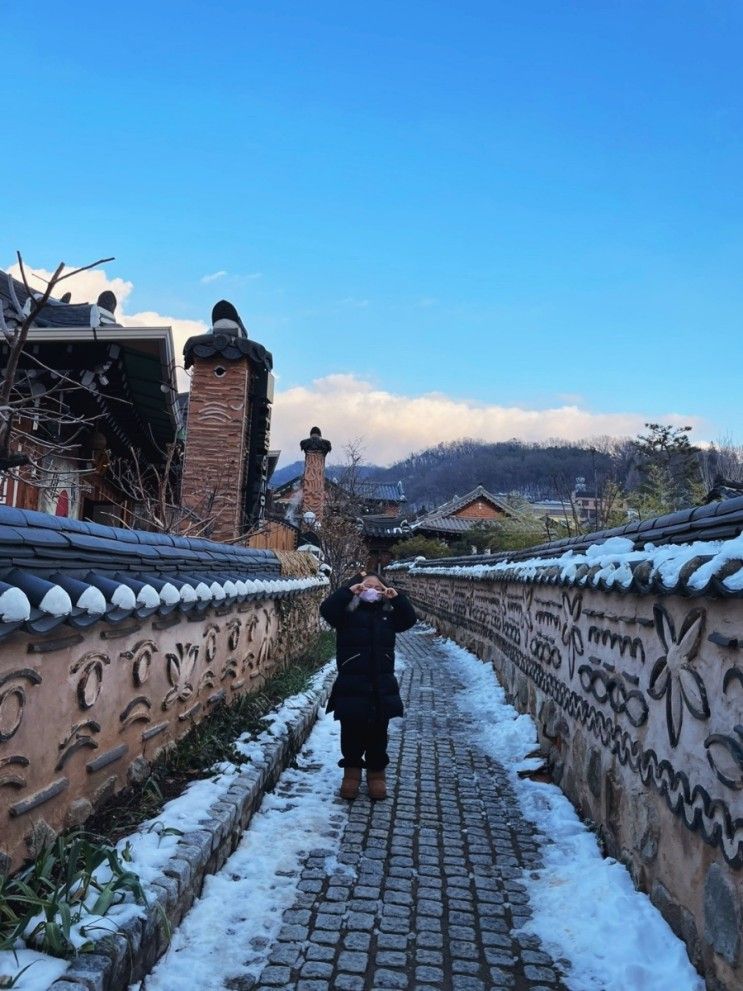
point(537, 471)
point(661, 468)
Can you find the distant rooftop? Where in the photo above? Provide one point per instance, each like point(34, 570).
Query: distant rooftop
point(443, 520)
point(14, 308)
point(368, 490)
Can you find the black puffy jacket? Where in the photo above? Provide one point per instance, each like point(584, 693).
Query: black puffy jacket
point(366, 687)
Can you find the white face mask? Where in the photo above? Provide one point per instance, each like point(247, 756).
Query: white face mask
point(370, 595)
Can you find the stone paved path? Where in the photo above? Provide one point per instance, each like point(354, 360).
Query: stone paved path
point(427, 891)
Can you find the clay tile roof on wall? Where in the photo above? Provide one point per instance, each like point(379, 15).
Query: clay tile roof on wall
point(226, 346)
point(693, 527)
point(384, 526)
point(367, 490)
point(55, 570)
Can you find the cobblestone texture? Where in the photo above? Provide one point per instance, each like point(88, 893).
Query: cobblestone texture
point(427, 892)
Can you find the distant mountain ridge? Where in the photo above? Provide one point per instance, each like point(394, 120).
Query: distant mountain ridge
point(433, 476)
point(535, 471)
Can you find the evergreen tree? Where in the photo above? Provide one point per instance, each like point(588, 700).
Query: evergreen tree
point(419, 546)
point(670, 470)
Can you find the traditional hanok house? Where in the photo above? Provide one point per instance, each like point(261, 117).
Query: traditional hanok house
point(552, 516)
point(452, 520)
point(100, 399)
point(377, 507)
point(370, 498)
point(384, 521)
point(87, 391)
point(380, 533)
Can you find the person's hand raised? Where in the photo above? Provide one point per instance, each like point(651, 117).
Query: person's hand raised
point(357, 588)
point(389, 593)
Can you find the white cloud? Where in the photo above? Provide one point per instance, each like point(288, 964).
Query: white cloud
point(392, 425)
point(87, 287)
point(214, 277)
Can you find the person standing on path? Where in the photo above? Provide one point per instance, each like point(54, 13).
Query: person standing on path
point(366, 615)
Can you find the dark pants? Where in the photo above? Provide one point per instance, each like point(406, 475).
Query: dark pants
point(364, 744)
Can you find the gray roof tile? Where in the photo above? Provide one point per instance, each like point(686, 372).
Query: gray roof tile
point(38, 551)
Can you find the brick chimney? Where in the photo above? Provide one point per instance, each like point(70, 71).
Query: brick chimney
point(229, 403)
point(313, 482)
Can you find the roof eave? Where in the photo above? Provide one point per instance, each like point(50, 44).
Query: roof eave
point(122, 335)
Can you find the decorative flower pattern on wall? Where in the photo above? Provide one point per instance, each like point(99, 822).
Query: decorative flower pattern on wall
point(13, 688)
point(233, 634)
point(80, 737)
point(13, 700)
point(572, 637)
point(673, 676)
point(210, 642)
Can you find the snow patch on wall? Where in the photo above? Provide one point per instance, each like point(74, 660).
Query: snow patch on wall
point(56, 602)
point(14, 606)
point(148, 598)
point(613, 560)
point(92, 601)
point(124, 598)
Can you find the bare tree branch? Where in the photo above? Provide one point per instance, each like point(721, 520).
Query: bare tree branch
point(85, 268)
point(14, 404)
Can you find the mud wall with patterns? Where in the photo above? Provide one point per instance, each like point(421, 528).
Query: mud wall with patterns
point(82, 715)
point(638, 701)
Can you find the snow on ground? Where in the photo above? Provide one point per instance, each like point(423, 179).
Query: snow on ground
point(154, 844)
point(585, 907)
point(42, 970)
point(260, 879)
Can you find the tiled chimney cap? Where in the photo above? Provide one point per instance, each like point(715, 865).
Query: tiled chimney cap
point(107, 301)
point(226, 320)
point(316, 442)
point(227, 339)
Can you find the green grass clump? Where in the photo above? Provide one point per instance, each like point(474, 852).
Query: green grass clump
point(76, 876)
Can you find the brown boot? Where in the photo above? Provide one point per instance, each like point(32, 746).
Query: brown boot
point(377, 785)
point(351, 782)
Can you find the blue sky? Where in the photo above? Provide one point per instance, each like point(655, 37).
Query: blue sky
point(530, 205)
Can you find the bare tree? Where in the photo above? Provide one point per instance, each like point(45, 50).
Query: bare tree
point(341, 530)
point(153, 490)
point(721, 462)
point(564, 489)
point(610, 505)
point(38, 424)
